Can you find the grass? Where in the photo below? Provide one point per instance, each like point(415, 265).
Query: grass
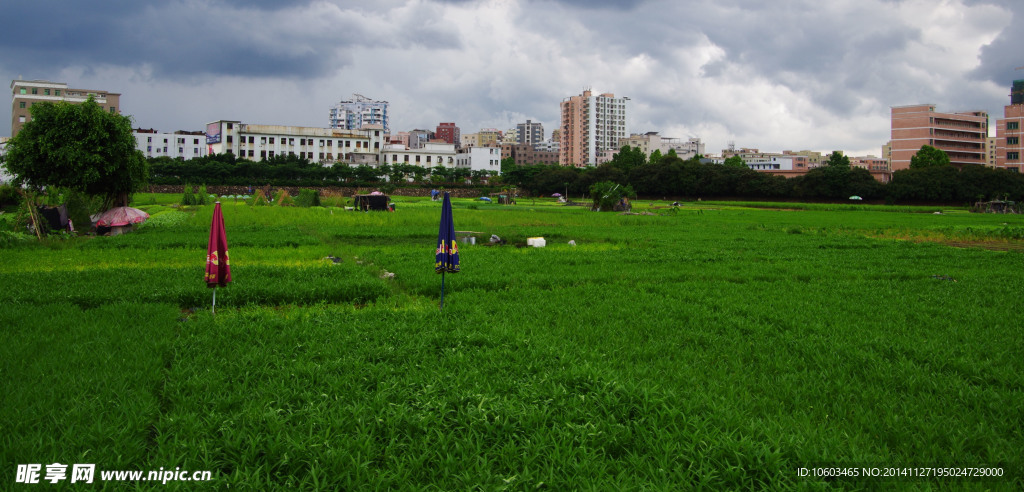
point(720, 347)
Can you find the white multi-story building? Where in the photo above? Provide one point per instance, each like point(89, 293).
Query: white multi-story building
point(591, 125)
point(431, 155)
point(178, 145)
point(359, 112)
point(651, 141)
point(479, 159)
point(323, 145)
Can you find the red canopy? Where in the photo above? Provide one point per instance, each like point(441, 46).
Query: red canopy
point(121, 216)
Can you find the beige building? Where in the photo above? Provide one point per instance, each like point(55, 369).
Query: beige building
point(962, 135)
point(25, 93)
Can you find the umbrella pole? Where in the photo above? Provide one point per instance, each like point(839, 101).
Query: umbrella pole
point(213, 307)
point(442, 290)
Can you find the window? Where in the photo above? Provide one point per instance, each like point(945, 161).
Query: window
point(263, 154)
point(348, 143)
point(271, 140)
point(196, 151)
point(230, 139)
point(1012, 125)
point(230, 125)
point(250, 153)
point(181, 150)
point(428, 159)
point(35, 91)
point(271, 153)
point(1012, 156)
point(23, 92)
point(21, 105)
point(417, 158)
point(330, 143)
point(149, 139)
point(407, 158)
point(1012, 140)
point(251, 139)
point(113, 109)
point(149, 148)
point(291, 141)
point(263, 140)
point(56, 92)
point(321, 154)
point(195, 141)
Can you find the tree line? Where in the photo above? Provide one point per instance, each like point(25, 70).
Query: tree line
point(930, 179)
point(291, 170)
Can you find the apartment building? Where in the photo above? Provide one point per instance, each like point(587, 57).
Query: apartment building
point(25, 93)
point(590, 125)
point(449, 133)
point(962, 135)
point(430, 155)
point(486, 158)
point(178, 145)
point(323, 145)
point(528, 155)
point(1008, 147)
point(360, 111)
point(651, 141)
point(530, 133)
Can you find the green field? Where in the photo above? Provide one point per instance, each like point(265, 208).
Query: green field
point(716, 345)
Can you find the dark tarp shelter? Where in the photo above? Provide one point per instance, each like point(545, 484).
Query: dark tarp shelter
point(371, 202)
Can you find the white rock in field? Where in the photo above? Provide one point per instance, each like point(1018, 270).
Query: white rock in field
point(572, 242)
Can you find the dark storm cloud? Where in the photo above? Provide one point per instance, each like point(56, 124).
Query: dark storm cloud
point(1001, 57)
point(187, 38)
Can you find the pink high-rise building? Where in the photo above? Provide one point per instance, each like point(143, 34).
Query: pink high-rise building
point(962, 135)
point(1008, 131)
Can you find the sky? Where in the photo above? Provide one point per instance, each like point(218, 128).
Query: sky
point(778, 75)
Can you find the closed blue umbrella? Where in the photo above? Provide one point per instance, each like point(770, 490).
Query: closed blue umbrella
point(446, 257)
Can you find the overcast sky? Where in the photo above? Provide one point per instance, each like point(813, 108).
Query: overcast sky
point(782, 74)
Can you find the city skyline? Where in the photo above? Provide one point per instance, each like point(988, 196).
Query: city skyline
point(782, 76)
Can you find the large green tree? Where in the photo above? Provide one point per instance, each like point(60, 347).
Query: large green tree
point(79, 147)
point(735, 161)
point(929, 156)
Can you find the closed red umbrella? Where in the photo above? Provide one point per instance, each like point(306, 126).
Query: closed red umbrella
point(121, 216)
point(218, 268)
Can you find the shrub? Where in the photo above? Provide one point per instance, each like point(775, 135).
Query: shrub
point(188, 198)
point(9, 196)
point(308, 198)
point(608, 194)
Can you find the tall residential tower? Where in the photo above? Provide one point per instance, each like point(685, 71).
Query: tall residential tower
point(590, 125)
